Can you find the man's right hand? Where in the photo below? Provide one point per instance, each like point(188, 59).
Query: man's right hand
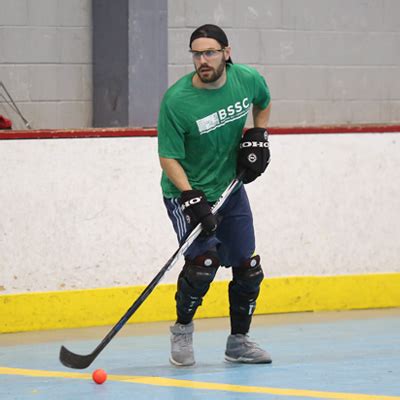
point(196, 210)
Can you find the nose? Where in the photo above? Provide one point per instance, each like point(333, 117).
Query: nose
point(202, 58)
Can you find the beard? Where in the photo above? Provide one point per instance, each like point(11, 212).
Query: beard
point(209, 74)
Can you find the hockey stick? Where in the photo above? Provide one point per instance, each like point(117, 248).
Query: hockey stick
point(12, 105)
point(78, 361)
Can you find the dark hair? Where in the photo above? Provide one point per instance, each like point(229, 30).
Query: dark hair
point(213, 32)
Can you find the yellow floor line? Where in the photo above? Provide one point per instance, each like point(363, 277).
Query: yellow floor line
point(159, 381)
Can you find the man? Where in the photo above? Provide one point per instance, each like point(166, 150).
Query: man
point(200, 142)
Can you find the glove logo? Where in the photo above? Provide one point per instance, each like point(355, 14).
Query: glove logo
point(191, 202)
point(254, 144)
point(252, 158)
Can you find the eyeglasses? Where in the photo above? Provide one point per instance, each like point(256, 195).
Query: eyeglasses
point(207, 54)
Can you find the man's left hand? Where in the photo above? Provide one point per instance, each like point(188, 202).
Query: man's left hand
point(254, 155)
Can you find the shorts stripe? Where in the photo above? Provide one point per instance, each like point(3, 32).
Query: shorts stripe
point(180, 219)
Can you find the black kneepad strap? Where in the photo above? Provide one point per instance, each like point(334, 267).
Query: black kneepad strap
point(251, 262)
point(208, 259)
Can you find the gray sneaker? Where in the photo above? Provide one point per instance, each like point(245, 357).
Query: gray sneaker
point(240, 349)
point(182, 345)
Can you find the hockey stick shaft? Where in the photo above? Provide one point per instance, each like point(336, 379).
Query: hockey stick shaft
point(14, 106)
point(77, 361)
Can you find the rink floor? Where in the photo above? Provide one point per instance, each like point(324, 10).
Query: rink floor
point(331, 355)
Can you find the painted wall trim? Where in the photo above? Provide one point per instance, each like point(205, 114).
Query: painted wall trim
point(151, 132)
point(95, 307)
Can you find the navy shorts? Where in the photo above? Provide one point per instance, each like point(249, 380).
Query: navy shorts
point(234, 240)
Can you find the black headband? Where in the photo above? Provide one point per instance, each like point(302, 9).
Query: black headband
point(212, 32)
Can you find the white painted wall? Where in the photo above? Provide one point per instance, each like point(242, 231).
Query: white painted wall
point(83, 213)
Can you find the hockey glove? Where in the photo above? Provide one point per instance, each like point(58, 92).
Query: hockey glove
point(196, 210)
point(253, 156)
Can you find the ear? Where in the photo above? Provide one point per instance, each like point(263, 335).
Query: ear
point(227, 53)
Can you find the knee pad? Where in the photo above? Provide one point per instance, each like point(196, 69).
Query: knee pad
point(201, 270)
point(249, 275)
point(245, 286)
point(194, 282)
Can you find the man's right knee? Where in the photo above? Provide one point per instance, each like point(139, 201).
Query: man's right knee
point(194, 282)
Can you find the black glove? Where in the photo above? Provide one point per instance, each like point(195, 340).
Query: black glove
point(253, 156)
point(196, 210)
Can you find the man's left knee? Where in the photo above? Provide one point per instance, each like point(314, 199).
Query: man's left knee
point(249, 275)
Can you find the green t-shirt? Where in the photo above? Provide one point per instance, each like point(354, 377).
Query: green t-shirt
point(202, 128)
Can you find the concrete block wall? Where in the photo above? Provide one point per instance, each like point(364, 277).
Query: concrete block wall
point(46, 61)
point(326, 61)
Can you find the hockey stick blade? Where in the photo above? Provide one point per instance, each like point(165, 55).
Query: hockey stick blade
point(81, 361)
point(77, 361)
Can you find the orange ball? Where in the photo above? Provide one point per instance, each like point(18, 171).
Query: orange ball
point(99, 376)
